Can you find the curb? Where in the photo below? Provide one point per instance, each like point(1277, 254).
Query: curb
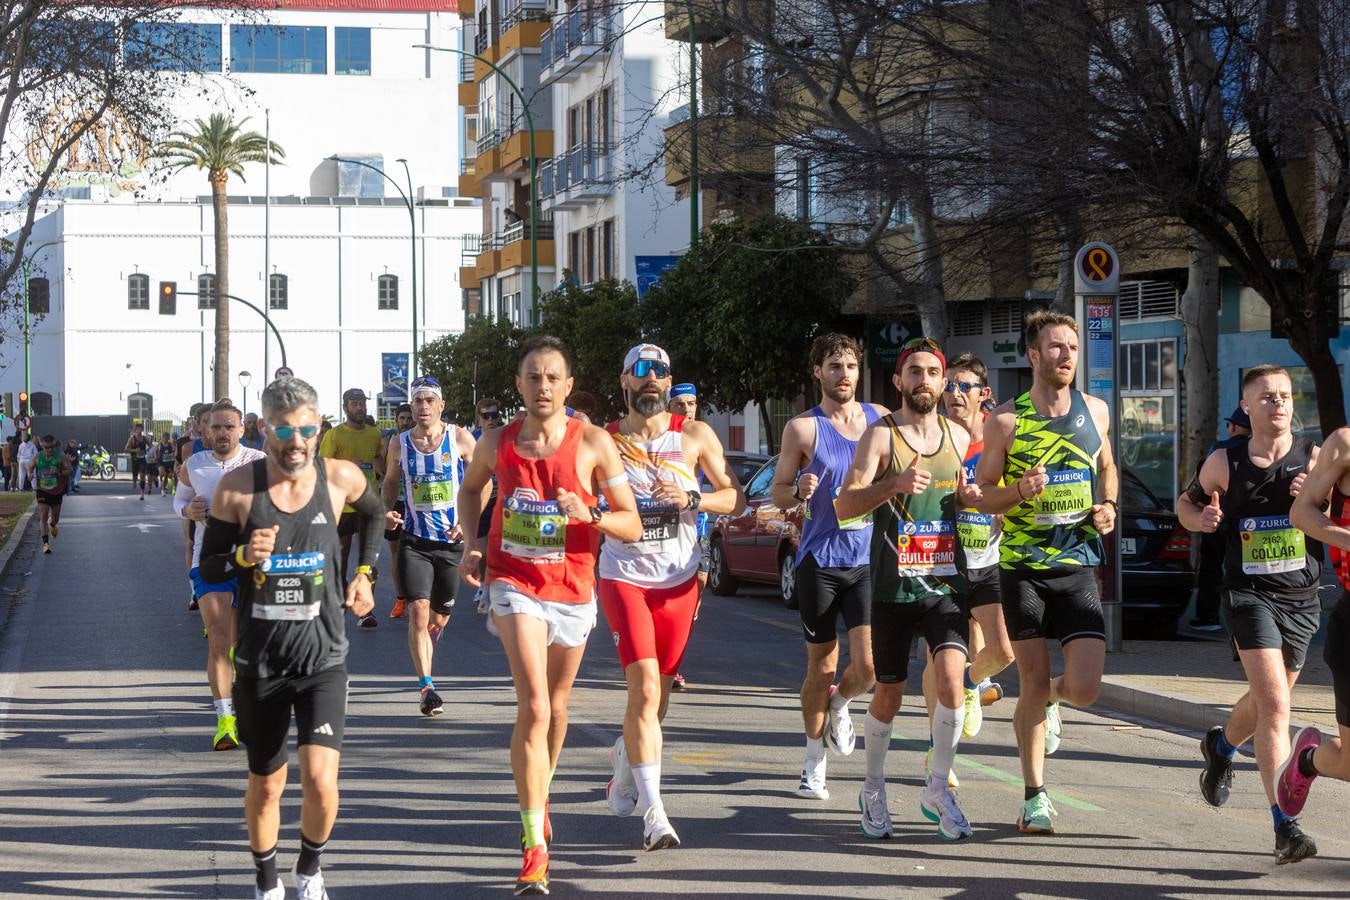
point(1190, 714)
point(15, 536)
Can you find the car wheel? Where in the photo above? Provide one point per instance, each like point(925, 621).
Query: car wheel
point(720, 579)
point(787, 580)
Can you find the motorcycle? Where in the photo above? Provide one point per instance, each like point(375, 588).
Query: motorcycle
point(96, 460)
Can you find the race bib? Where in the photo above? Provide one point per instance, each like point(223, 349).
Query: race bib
point(925, 549)
point(660, 522)
point(290, 587)
point(433, 491)
point(1271, 545)
point(975, 529)
point(48, 481)
point(1066, 500)
point(533, 529)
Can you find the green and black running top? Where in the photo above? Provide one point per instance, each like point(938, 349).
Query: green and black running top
point(1054, 529)
point(914, 545)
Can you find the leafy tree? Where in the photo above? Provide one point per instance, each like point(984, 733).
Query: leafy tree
point(739, 312)
point(598, 324)
point(479, 362)
point(221, 147)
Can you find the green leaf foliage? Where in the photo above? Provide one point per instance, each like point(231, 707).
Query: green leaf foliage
point(598, 324)
point(219, 145)
point(493, 345)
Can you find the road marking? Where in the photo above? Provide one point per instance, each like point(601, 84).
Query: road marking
point(143, 526)
point(1000, 775)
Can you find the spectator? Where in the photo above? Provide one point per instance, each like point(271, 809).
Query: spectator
point(72, 451)
point(27, 453)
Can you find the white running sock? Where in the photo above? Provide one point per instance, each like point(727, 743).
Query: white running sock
point(946, 734)
point(647, 776)
point(876, 741)
point(815, 747)
point(224, 707)
point(839, 702)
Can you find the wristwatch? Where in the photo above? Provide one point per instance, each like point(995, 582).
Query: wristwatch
point(695, 498)
point(372, 574)
point(596, 513)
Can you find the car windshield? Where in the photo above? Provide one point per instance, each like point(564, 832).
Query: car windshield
point(1134, 494)
point(759, 485)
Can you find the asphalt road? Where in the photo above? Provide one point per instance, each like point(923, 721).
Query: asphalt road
point(110, 788)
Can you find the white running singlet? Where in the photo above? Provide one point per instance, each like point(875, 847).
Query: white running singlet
point(205, 470)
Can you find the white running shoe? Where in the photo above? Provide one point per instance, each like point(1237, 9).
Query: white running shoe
point(309, 887)
point(621, 792)
point(974, 713)
point(656, 831)
point(939, 805)
point(276, 893)
point(876, 816)
point(839, 734)
point(812, 785)
point(1054, 728)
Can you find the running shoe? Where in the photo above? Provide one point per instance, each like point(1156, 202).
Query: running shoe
point(876, 815)
point(54, 529)
point(435, 631)
point(533, 877)
point(839, 734)
point(990, 692)
point(309, 887)
point(938, 803)
point(1291, 785)
point(369, 621)
point(812, 786)
point(1291, 844)
point(192, 604)
point(1036, 813)
point(656, 831)
point(952, 781)
point(481, 598)
point(276, 893)
point(431, 702)
point(227, 733)
point(1216, 778)
point(677, 683)
point(400, 609)
point(46, 547)
point(1054, 728)
point(621, 792)
point(970, 725)
point(548, 829)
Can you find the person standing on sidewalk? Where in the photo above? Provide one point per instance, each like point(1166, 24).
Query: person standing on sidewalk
point(1209, 566)
point(1047, 467)
point(1271, 603)
point(27, 452)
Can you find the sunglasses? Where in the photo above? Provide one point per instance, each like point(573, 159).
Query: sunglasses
point(286, 432)
point(643, 367)
point(964, 387)
point(491, 414)
point(426, 381)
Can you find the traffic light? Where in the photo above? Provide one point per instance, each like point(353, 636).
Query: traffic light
point(7, 403)
point(39, 296)
point(168, 298)
point(23, 403)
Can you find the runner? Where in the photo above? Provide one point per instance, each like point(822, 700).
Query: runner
point(684, 402)
point(135, 445)
point(1047, 467)
point(165, 460)
point(252, 436)
point(541, 567)
point(191, 442)
point(1271, 604)
point(150, 466)
point(908, 468)
point(833, 579)
point(272, 525)
point(356, 441)
point(1310, 755)
point(487, 417)
point(422, 474)
point(649, 588)
point(215, 599)
point(50, 473)
point(403, 420)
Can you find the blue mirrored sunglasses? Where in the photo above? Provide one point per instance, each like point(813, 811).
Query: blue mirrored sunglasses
point(286, 432)
point(643, 367)
point(964, 387)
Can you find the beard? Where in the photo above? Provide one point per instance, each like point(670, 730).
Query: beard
point(922, 404)
point(839, 394)
point(1051, 374)
point(648, 404)
point(280, 456)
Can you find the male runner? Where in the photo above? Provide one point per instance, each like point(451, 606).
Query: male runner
point(833, 579)
point(684, 402)
point(272, 526)
point(908, 467)
point(50, 473)
point(1209, 565)
point(487, 417)
point(422, 473)
point(649, 587)
point(541, 566)
point(252, 435)
point(189, 443)
point(1047, 467)
point(1309, 756)
point(135, 445)
point(150, 468)
point(1271, 604)
point(215, 600)
point(403, 420)
point(166, 454)
point(358, 442)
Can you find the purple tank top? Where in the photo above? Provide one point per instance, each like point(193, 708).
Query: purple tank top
point(833, 545)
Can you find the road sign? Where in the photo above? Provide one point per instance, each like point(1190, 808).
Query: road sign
point(885, 337)
point(23, 422)
point(1096, 269)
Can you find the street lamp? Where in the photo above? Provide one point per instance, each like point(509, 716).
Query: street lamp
point(693, 131)
point(245, 379)
point(27, 319)
point(412, 224)
point(534, 161)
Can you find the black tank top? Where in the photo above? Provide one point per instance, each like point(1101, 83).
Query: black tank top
point(1264, 552)
point(290, 607)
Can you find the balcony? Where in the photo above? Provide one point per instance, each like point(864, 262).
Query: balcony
point(582, 175)
point(706, 27)
point(469, 247)
point(730, 148)
point(577, 43)
point(466, 9)
point(510, 248)
point(470, 182)
point(501, 155)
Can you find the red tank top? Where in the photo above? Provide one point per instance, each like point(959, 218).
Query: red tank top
point(532, 544)
point(1339, 558)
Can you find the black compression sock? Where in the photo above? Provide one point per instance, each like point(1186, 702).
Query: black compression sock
point(266, 865)
point(1305, 762)
point(310, 851)
point(1030, 792)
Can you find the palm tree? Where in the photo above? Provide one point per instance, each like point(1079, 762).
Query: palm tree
point(221, 147)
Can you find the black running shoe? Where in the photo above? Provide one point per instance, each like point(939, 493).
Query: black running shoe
point(431, 702)
point(1291, 844)
point(1216, 778)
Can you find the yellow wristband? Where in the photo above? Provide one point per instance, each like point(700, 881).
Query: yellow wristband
point(364, 570)
point(239, 557)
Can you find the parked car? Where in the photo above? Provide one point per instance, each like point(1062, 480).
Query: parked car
point(760, 546)
point(744, 464)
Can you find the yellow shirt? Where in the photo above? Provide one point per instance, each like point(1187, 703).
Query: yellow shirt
point(360, 445)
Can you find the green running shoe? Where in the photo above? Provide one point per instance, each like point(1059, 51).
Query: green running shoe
point(1035, 817)
point(970, 725)
point(227, 733)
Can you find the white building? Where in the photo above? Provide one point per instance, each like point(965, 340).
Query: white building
point(324, 78)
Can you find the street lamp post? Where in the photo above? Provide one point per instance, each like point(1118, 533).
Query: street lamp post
point(412, 225)
point(693, 131)
point(266, 319)
point(27, 319)
point(534, 160)
point(245, 379)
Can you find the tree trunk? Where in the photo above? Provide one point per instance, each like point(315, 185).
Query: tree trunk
point(1200, 313)
point(929, 299)
point(1069, 234)
point(766, 424)
point(1311, 342)
point(220, 380)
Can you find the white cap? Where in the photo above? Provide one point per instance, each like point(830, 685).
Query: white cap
point(645, 351)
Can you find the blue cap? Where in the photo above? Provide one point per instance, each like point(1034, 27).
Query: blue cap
point(683, 390)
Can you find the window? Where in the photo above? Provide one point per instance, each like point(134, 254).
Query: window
point(388, 291)
point(206, 291)
point(138, 291)
point(806, 188)
point(40, 403)
point(967, 319)
point(1148, 300)
point(173, 47)
point(141, 407)
point(1253, 311)
point(1148, 417)
point(356, 180)
point(351, 51)
point(759, 486)
point(607, 249)
point(278, 292)
point(269, 49)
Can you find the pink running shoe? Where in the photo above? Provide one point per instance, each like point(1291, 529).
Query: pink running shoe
point(1291, 785)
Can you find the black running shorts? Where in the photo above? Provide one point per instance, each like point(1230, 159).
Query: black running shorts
point(1260, 620)
point(1063, 604)
point(1337, 655)
point(940, 620)
point(263, 707)
point(824, 594)
point(52, 501)
point(137, 464)
point(429, 570)
point(982, 588)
